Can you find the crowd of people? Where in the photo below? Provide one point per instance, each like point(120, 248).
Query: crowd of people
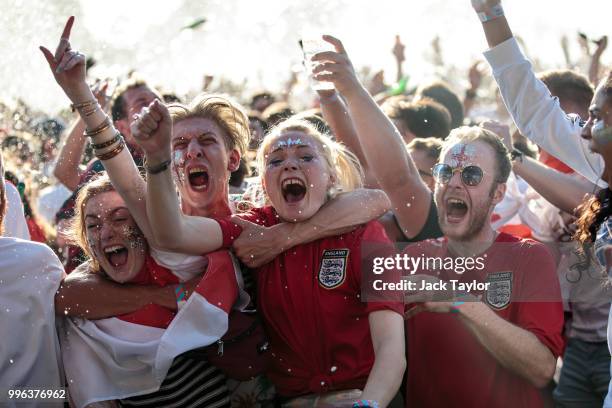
point(217, 251)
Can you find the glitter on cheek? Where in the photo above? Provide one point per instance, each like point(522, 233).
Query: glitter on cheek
point(134, 237)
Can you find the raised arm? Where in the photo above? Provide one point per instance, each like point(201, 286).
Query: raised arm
point(68, 68)
point(383, 146)
point(91, 296)
point(387, 330)
point(70, 156)
point(535, 112)
point(335, 113)
point(258, 245)
point(67, 169)
point(564, 191)
point(171, 229)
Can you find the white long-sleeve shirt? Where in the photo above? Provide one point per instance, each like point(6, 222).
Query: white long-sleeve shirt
point(538, 115)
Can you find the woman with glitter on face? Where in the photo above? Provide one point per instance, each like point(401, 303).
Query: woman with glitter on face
point(104, 228)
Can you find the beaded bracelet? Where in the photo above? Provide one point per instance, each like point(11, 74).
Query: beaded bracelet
point(109, 155)
point(85, 104)
point(365, 404)
point(107, 143)
point(158, 168)
point(106, 124)
point(91, 110)
point(181, 295)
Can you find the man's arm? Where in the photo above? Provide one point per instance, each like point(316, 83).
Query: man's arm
point(91, 296)
point(515, 348)
point(381, 142)
point(69, 158)
point(564, 191)
point(535, 112)
point(387, 331)
point(258, 245)
point(337, 117)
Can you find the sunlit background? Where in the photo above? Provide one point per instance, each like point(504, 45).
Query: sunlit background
point(257, 40)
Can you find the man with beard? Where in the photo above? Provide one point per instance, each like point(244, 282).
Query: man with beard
point(499, 347)
point(30, 274)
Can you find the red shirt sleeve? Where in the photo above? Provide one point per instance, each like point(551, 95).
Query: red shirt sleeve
point(540, 309)
point(232, 231)
point(375, 243)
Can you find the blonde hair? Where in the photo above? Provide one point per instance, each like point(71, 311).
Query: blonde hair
point(229, 115)
point(78, 230)
point(342, 163)
point(467, 134)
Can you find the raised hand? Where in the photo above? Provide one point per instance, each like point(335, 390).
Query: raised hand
point(336, 67)
point(152, 130)
point(484, 6)
point(68, 66)
point(256, 245)
point(475, 76)
point(398, 50)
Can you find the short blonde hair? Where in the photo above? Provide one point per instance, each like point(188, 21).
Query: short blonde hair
point(467, 134)
point(78, 230)
point(229, 115)
point(342, 163)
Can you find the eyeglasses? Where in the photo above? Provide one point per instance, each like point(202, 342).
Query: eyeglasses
point(470, 175)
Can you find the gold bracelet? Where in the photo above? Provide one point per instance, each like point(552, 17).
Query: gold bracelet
point(108, 142)
point(90, 111)
point(112, 153)
point(80, 105)
point(101, 128)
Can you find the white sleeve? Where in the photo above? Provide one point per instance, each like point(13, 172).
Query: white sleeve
point(184, 267)
point(14, 222)
point(538, 115)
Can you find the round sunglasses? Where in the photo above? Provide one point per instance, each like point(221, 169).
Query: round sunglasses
point(470, 175)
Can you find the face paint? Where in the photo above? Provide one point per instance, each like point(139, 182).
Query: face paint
point(179, 164)
point(288, 143)
point(462, 155)
point(134, 236)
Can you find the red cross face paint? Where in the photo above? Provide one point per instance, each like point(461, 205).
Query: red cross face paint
point(462, 155)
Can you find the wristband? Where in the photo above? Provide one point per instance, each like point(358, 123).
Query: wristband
point(181, 296)
point(491, 13)
point(516, 155)
point(158, 168)
point(365, 404)
point(108, 143)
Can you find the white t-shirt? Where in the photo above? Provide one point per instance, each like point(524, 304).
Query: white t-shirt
point(30, 274)
point(14, 219)
point(50, 200)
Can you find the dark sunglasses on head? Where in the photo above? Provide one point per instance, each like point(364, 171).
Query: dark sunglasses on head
point(470, 175)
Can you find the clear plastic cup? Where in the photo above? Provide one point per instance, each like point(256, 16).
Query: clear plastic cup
point(311, 45)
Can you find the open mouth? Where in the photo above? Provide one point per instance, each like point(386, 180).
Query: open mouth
point(198, 178)
point(117, 255)
point(456, 209)
point(293, 189)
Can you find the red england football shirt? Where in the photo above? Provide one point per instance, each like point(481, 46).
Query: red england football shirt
point(447, 365)
point(310, 301)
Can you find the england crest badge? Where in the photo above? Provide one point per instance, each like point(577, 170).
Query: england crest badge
point(499, 292)
point(332, 271)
